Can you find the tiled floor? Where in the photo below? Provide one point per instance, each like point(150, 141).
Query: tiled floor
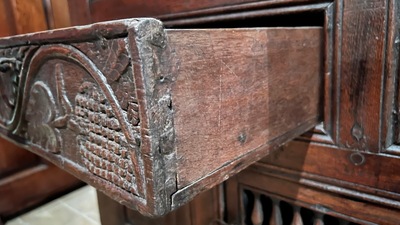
point(76, 208)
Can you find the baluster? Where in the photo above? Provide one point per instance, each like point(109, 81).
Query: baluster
point(276, 217)
point(246, 205)
point(257, 216)
point(318, 219)
point(297, 220)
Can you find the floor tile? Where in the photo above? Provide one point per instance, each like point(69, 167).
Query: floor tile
point(76, 208)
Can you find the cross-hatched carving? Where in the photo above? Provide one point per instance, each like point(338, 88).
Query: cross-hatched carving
point(103, 146)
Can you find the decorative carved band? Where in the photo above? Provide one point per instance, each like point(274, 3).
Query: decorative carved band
point(104, 148)
point(88, 99)
point(103, 122)
point(10, 67)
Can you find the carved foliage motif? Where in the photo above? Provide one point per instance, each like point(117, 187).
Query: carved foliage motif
point(10, 66)
point(43, 116)
point(95, 117)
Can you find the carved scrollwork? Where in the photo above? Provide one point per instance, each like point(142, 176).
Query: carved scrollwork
point(10, 67)
point(103, 121)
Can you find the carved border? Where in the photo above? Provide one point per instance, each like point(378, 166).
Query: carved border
point(68, 53)
point(145, 42)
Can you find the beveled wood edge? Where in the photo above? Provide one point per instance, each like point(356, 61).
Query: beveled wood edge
point(249, 6)
point(245, 14)
point(123, 27)
point(146, 40)
point(366, 193)
point(109, 29)
point(119, 195)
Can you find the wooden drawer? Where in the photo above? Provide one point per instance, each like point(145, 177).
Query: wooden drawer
point(153, 116)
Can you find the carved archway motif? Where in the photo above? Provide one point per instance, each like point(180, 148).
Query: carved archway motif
point(107, 139)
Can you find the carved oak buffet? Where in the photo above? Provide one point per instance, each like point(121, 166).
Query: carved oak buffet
point(341, 172)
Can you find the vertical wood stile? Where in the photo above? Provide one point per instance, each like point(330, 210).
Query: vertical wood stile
point(297, 220)
point(276, 217)
point(257, 216)
point(318, 219)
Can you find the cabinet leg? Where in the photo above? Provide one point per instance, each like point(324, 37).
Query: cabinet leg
point(111, 212)
point(203, 210)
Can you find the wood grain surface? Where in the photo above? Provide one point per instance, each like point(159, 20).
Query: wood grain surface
point(144, 113)
point(236, 90)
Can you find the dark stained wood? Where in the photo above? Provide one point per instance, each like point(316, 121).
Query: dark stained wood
point(33, 186)
point(359, 171)
point(361, 74)
point(14, 158)
point(390, 132)
point(206, 208)
point(6, 24)
point(313, 172)
point(201, 104)
point(320, 199)
point(111, 212)
point(29, 17)
point(57, 13)
point(179, 9)
point(360, 110)
point(17, 17)
point(21, 170)
point(79, 12)
point(351, 158)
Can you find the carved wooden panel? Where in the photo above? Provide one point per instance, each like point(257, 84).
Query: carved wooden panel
point(152, 116)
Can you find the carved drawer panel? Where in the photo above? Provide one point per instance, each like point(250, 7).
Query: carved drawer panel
point(153, 116)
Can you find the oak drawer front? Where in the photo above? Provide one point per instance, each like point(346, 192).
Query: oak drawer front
point(153, 116)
